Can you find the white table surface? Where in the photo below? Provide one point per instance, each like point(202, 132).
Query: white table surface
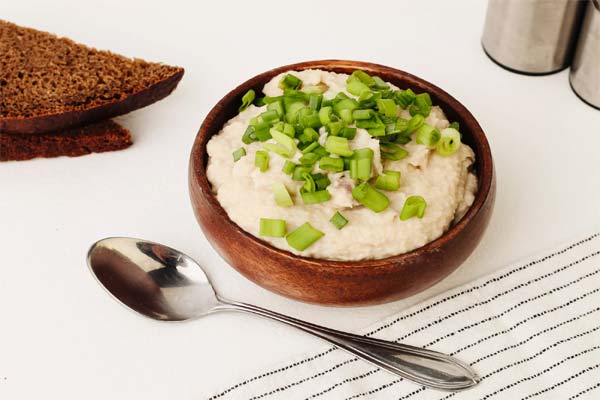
point(61, 336)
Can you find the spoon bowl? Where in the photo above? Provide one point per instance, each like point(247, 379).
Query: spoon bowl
point(152, 279)
point(162, 283)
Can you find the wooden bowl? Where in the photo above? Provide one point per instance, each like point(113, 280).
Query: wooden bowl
point(342, 282)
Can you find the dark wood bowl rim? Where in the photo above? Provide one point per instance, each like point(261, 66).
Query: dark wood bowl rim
point(199, 156)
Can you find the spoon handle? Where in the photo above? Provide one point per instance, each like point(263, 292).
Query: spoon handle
point(426, 367)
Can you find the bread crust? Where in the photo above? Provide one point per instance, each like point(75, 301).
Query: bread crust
point(58, 122)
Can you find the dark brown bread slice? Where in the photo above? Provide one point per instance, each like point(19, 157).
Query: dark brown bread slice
point(95, 138)
point(50, 84)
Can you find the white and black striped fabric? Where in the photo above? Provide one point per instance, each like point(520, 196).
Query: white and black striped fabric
point(532, 331)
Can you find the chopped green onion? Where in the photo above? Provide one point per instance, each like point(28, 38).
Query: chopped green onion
point(404, 98)
point(379, 83)
point(346, 116)
point(455, 125)
point(287, 144)
point(325, 114)
point(348, 133)
point(276, 106)
point(247, 99)
point(271, 227)
point(261, 160)
point(321, 181)
point(303, 237)
point(281, 194)
point(338, 145)
point(309, 159)
point(300, 171)
point(309, 183)
point(366, 195)
point(390, 151)
point(261, 131)
point(364, 77)
point(422, 105)
point(355, 86)
point(309, 118)
point(288, 167)
point(387, 107)
point(414, 123)
point(361, 164)
point(334, 128)
point(308, 135)
point(344, 104)
point(270, 116)
point(239, 153)
point(449, 142)
point(428, 135)
point(314, 101)
point(379, 131)
point(320, 151)
point(413, 206)
point(338, 220)
point(310, 147)
point(363, 114)
point(315, 197)
point(289, 81)
point(389, 180)
point(319, 88)
point(331, 164)
point(250, 135)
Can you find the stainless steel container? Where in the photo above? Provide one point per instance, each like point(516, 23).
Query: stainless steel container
point(532, 36)
point(585, 70)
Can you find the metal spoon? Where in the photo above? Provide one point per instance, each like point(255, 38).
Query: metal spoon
point(165, 284)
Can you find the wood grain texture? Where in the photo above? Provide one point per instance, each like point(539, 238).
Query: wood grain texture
point(342, 282)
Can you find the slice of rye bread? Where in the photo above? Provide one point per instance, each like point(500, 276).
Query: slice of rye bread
point(95, 138)
point(50, 84)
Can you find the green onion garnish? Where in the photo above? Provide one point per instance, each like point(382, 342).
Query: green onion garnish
point(389, 180)
point(449, 142)
point(321, 181)
point(346, 115)
point(379, 83)
point(387, 107)
point(414, 123)
point(364, 77)
point(314, 101)
point(250, 135)
point(247, 99)
point(303, 237)
point(276, 106)
point(334, 128)
point(271, 227)
point(261, 160)
point(261, 131)
point(300, 171)
point(289, 81)
point(355, 86)
point(390, 151)
point(363, 114)
point(315, 197)
point(366, 195)
point(455, 125)
point(239, 153)
point(309, 159)
point(331, 164)
point(361, 164)
point(348, 133)
point(310, 147)
point(288, 167)
point(287, 144)
point(413, 206)
point(404, 98)
point(308, 135)
point(428, 135)
point(379, 131)
point(281, 194)
point(325, 114)
point(338, 145)
point(338, 220)
point(422, 105)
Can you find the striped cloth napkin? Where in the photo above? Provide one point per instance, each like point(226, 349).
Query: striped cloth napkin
point(531, 331)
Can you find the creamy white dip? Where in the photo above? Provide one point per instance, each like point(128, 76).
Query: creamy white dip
point(245, 193)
